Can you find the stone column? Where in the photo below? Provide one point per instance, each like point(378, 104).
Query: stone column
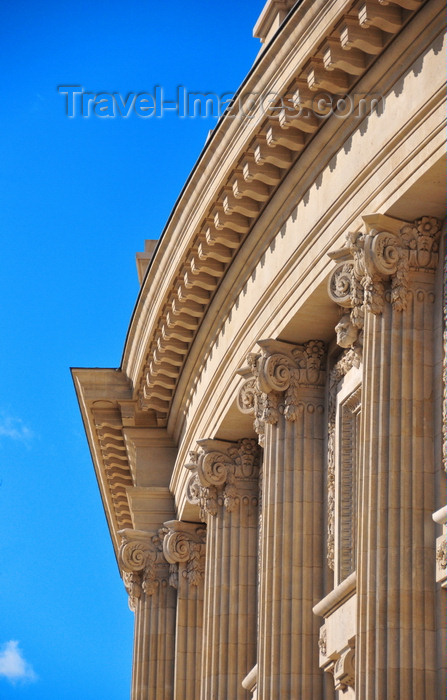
point(184, 549)
point(146, 577)
point(225, 486)
point(286, 395)
point(386, 276)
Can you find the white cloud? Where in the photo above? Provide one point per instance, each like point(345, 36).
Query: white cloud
point(13, 666)
point(14, 428)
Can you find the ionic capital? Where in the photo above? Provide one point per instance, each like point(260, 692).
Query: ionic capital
point(222, 470)
point(278, 378)
point(142, 563)
point(184, 543)
point(378, 261)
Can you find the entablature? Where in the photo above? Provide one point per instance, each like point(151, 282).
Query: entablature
point(254, 219)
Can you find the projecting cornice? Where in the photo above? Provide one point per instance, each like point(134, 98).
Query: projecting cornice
point(323, 45)
point(115, 429)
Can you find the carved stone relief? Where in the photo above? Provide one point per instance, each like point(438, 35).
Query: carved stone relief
point(444, 371)
point(184, 544)
point(223, 473)
point(344, 669)
point(349, 359)
point(277, 375)
point(348, 432)
point(375, 261)
point(142, 562)
point(440, 517)
point(337, 638)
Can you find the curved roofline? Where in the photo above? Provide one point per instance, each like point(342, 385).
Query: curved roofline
point(236, 175)
point(198, 161)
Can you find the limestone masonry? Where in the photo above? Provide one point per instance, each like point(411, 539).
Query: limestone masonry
point(271, 452)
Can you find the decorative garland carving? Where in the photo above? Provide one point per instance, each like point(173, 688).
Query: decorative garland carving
point(278, 374)
point(444, 371)
point(350, 358)
point(184, 543)
point(202, 496)
point(132, 584)
point(441, 554)
point(375, 260)
point(347, 494)
point(221, 472)
point(322, 641)
point(142, 562)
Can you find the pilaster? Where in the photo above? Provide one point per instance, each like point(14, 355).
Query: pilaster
point(224, 482)
point(286, 395)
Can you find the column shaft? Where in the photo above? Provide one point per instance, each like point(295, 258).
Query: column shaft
point(292, 555)
point(396, 625)
point(188, 639)
point(184, 549)
point(225, 485)
point(154, 663)
point(286, 395)
point(146, 576)
point(230, 606)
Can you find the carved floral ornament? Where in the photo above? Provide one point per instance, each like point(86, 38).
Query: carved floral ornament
point(142, 562)
point(378, 260)
point(277, 375)
point(444, 371)
point(441, 554)
point(222, 472)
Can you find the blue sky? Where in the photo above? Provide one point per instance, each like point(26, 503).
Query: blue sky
point(78, 197)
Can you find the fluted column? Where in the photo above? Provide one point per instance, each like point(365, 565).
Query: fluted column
point(225, 485)
point(286, 395)
point(146, 577)
point(184, 549)
point(387, 277)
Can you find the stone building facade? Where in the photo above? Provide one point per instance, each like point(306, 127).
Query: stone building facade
point(271, 452)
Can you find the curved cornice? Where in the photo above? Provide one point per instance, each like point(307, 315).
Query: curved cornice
point(324, 46)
